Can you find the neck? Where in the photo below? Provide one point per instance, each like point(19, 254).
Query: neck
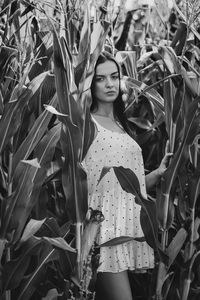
point(105, 110)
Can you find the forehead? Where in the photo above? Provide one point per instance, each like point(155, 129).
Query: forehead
point(106, 68)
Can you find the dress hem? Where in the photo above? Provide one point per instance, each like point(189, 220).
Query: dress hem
point(139, 270)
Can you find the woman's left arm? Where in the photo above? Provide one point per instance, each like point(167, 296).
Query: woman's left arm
point(153, 177)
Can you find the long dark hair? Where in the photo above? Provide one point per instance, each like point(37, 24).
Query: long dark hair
point(118, 105)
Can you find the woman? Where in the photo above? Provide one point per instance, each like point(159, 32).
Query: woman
point(114, 146)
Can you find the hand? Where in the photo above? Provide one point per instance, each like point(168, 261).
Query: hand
point(165, 161)
point(153, 177)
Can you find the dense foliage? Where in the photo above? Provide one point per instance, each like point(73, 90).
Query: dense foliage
point(47, 232)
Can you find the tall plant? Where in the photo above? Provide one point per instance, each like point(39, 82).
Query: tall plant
point(175, 238)
point(45, 133)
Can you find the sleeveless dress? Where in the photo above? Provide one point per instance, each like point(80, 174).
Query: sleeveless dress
point(121, 213)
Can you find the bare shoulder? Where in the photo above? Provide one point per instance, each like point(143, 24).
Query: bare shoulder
point(108, 123)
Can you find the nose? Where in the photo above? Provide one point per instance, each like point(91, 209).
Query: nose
point(109, 81)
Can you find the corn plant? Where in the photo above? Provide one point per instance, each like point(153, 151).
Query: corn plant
point(45, 131)
point(174, 235)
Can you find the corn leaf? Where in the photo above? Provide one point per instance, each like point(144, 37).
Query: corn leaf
point(33, 137)
point(128, 59)
point(185, 20)
point(121, 240)
point(149, 92)
point(30, 282)
point(11, 117)
point(31, 228)
point(194, 189)
point(16, 20)
point(1, 103)
point(90, 233)
point(59, 242)
point(44, 152)
point(14, 270)
point(52, 295)
point(172, 251)
point(2, 247)
point(68, 65)
point(7, 54)
point(171, 208)
point(64, 82)
point(168, 94)
point(171, 59)
point(175, 245)
point(51, 228)
point(71, 175)
point(162, 273)
point(104, 171)
point(42, 54)
point(129, 182)
point(28, 180)
point(98, 38)
point(190, 131)
point(84, 47)
point(88, 132)
point(141, 122)
point(20, 194)
point(178, 101)
point(71, 134)
point(48, 89)
point(174, 67)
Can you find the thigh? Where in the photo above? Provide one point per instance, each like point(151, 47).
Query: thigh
point(113, 286)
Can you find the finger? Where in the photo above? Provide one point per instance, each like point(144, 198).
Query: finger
point(169, 154)
point(167, 147)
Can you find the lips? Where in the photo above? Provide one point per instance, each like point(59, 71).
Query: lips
point(111, 93)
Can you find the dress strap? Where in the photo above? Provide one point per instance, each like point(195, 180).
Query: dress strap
point(100, 127)
point(96, 122)
point(97, 125)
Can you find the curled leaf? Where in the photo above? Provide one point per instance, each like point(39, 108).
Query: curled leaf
point(121, 240)
point(53, 110)
point(32, 162)
point(31, 228)
point(59, 242)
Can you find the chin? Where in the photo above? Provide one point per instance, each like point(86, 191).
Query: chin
point(111, 99)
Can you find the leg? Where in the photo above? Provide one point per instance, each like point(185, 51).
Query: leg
point(113, 286)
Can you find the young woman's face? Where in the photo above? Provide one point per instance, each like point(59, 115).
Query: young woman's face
point(106, 82)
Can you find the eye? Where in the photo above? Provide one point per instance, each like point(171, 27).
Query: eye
point(98, 79)
point(115, 77)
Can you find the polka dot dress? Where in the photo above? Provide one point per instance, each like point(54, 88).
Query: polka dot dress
point(121, 213)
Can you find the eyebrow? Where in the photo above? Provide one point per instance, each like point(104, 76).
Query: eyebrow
point(102, 75)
